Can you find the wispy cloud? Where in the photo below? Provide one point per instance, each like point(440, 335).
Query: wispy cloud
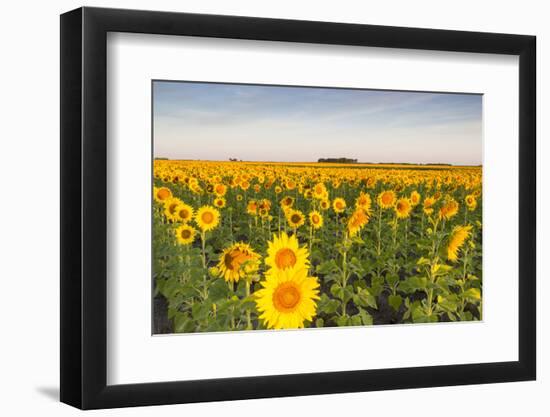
point(219, 121)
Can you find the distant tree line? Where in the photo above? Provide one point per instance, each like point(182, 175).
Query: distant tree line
point(338, 160)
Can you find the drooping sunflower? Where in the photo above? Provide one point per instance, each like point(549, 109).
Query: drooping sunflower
point(471, 202)
point(403, 208)
point(357, 221)
point(284, 252)
point(295, 218)
point(386, 199)
point(219, 202)
point(287, 299)
point(184, 212)
point(207, 218)
point(456, 240)
point(316, 219)
point(428, 205)
point(236, 261)
point(161, 194)
point(339, 205)
point(414, 198)
point(185, 234)
point(449, 209)
point(364, 202)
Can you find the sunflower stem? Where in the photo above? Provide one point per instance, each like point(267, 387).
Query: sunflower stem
point(344, 274)
point(248, 320)
point(203, 247)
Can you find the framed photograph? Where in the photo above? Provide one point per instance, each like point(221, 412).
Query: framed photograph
point(257, 207)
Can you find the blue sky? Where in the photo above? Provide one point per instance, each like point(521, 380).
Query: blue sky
point(271, 123)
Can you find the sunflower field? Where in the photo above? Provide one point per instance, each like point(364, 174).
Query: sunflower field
point(245, 246)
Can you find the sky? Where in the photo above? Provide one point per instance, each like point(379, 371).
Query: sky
point(210, 121)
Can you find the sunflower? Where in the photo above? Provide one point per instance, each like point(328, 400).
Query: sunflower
point(184, 212)
point(219, 202)
point(320, 191)
point(386, 199)
point(456, 240)
point(339, 205)
point(449, 209)
point(236, 261)
point(239, 197)
point(471, 202)
point(357, 221)
point(287, 299)
point(403, 208)
point(284, 252)
point(161, 194)
point(414, 198)
point(287, 202)
point(252, 207)
point(364, 201)
point(295, 218)
point(324, 205)
point(316, 219)
point(207, 218)
point(170, 206)
point(428, 205)
point(278, 189)
point(220, 190)
point(185, 234)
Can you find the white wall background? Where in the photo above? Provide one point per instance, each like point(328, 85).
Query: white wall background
point(29, 225)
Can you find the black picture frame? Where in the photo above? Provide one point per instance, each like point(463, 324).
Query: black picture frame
point(84, 207)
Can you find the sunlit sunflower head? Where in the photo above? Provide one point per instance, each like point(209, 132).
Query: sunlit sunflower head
point(386, 199)
point(357, 221)
point(288, 299)
point(319, 191)
point(324, 204)
point(471, 202)
point(284, 252)
point(245, 185)
point(239, 197)
point(414, 198)
point(161, 194)
point(403, 208)
point(457, 238)
point(252, 207)
point(278, 189)
point(287, 202)
point(428, 205)
point(207, 218)
point(339, 205)
point(316, 219)
point(170, 207)
point(236, 261)
point(364, 202)
point(184, 212)
point(290, 184)
point(220, 189)
point(448, 209)
point(219, 202)
point(185, 234)
point(295, 218)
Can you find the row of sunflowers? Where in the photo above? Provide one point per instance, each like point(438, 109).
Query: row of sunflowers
point(242, 246)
